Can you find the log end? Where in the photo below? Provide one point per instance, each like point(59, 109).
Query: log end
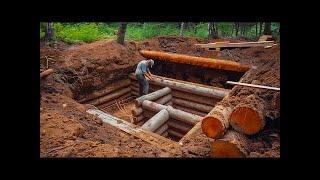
point(225, 149)
point(246, 120)
point(212, 127)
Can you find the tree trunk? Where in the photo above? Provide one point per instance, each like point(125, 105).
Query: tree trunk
point(260, 29)
point(237, 28)
point(256, 30)
point(212, 31)
point(232, 145)
point(248, 116)
point(49, 32)
point(181, 29)
point(121, 33)
point(267, 28)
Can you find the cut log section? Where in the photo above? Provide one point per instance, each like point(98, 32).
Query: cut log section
point(152, 96)
point(156, 121)
point(192, 105)
point(232, 145)
point(46, 73)
point(174, 113)
point(161, 129)
point(110, 97)
point(197, 61)
point(110, 88)
point(212, 92)
point(192, 111)
point(216, 122)
point(248, 117)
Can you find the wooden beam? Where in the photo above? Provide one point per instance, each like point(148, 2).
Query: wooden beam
point(242, 44)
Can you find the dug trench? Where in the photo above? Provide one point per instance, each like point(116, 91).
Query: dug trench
point(83, 76)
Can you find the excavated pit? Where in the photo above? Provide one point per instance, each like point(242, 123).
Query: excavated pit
point(121, 105)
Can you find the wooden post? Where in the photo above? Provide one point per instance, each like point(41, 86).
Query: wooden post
point(156, 121)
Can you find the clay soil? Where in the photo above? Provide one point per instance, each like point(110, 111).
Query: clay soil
point(66, 130)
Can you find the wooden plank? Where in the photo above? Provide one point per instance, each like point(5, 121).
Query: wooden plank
point(243, 44)
point(253, 85)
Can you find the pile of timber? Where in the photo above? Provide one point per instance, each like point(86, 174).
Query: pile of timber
point(219, 45)
point(230, 124)
point(190, 97)
point(119, 90)
point(196, 61)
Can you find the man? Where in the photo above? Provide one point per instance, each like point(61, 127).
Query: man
point(142, 72)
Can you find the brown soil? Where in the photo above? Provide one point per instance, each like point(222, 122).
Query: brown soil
point(66, 130)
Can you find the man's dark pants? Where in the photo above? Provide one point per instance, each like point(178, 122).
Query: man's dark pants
point(143, 84)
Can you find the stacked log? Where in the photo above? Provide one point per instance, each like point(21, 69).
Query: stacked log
point(156, 121)
point(162, 96)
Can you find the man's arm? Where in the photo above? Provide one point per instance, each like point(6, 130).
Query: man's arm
point(148, 75)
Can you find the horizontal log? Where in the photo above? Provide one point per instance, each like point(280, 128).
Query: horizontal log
point(174, 113)
point(142, 122)
point(164, 100)
point(174, 133)
point(46, 73)
point(232, 145)
point(194, 98)
point(152, 96)
point(248, 117)
point(179, 126)
point(134, 93)
point(109, 97)
point(133, 88)
point(192, 105)
point(162, 129)
point(213, 92)
point(196, 61)
point(156, 121)
point(107, 90)
point(216, 122)
point(188, 110)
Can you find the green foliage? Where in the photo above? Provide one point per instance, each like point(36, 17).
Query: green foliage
point(88, 32)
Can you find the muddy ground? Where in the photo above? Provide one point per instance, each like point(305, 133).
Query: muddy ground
point(66, 130)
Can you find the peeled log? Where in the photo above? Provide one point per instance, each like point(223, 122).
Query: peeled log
point(161, 129)
point(248, 117)
point(232, 145)
point(112, 102)
point(174, 113)
point(197, 61)
point(110, 97)
point(192, 111)
point(179, 126)
point(216, 122)
point(156, 121)
point(194, 98)
point(152, 96)
point(133, 88)
point(213, 92)
point(192, 105)
point(110, 88)
point(165, 99)
point(46, 73)
point(174, 133)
